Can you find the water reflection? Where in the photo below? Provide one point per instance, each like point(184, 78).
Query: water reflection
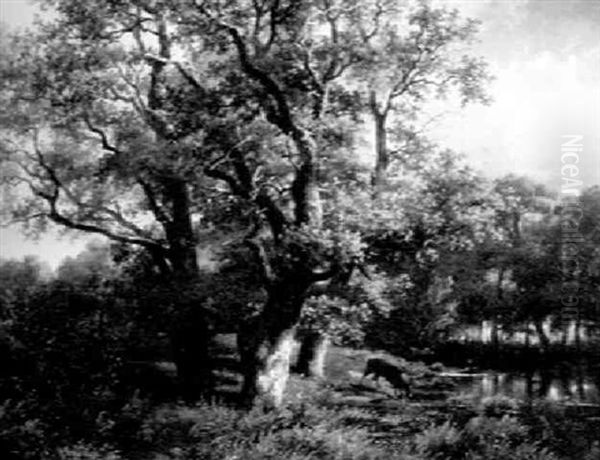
point(553, 385)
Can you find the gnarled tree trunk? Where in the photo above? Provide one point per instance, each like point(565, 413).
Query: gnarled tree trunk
point(266, 343)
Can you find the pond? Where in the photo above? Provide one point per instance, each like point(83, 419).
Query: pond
point(566, 384)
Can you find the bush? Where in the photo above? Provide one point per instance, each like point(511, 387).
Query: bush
point(498, 406)
point(567, 436)
point(483, 431)
point(440, 442)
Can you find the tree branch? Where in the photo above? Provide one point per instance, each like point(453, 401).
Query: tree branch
point(103, 137)
point(267, 272)
point(283, 119)
point(158, 212)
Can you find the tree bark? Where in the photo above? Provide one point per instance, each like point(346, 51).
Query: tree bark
point(312, 354)
point(190, 333)
point(500, 297)
point(381, 152)
point(544, 341)
point(495, 334)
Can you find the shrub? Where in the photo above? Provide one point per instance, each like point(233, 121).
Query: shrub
point(440, 442)
point(498, 406)
point(484, 431)
point(567, 436)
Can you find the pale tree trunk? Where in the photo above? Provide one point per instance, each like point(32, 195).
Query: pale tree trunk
point(381, 150)
point(266, 344)
point(265, 367)
point(578, 330)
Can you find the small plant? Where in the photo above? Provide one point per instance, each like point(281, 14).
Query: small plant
point(498, 406)
point(483, 431)
point(441, 442)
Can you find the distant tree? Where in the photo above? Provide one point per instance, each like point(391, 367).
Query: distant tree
point(18, 278)
point(91, 266)
point(413, 53)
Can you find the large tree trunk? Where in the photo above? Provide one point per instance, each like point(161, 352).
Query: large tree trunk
point(190, 333)
point(190, 341)
point(266, 344)
point(312, 354)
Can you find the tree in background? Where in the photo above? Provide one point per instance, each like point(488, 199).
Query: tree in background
point(413, 54)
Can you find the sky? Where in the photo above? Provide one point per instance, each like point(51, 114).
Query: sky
point(545, 56)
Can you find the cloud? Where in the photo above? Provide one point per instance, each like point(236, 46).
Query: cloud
point(17, 13)
point(545, 56)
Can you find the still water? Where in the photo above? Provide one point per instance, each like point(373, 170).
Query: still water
point(558, 385)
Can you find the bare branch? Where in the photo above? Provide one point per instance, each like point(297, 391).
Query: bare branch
point(106, 145)
point(156, 209)
point(367, 36)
